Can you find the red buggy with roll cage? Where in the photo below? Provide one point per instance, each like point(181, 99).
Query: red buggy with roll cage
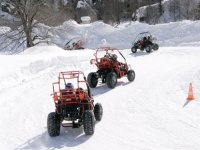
point(74, 106)
point(144, 41)
point(111, 65)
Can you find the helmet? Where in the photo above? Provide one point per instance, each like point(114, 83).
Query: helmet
point(114, 56)
point(69, 86)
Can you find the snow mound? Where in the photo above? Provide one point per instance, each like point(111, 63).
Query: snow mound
point(183, 33)
point(98, 34)
point(42, 50)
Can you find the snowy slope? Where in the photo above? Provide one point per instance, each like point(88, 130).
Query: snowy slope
point(184, 33)
point(149, 114)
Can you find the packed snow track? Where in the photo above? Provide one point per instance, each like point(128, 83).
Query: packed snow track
point(151, 113)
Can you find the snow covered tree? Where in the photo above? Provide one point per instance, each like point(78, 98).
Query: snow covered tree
point(197, 12)
point(130, 7)
point(186, 9)
point(72, 6)
point(112, 10)
point(175, 9)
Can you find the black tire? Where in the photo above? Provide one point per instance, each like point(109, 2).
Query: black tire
point(88, 122)
point(111, 80)
point(155, 47)
point(98, 111)
point(133, 49)
point(86, 104)
point(53, 124)
point(148, 49)
point(92, 79)
point(131, 75)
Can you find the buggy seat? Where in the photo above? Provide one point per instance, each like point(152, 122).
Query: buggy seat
point(72, 94)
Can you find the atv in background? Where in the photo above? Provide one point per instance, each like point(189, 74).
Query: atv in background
point(144, 41)
point(74, 104)
point(74, 44)
point(111, 65)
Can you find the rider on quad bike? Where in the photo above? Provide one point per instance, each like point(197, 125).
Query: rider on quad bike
point(144, 41)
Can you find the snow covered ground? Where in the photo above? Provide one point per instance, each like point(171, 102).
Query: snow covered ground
point(151, 113)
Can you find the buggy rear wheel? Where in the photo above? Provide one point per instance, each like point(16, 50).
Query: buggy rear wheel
point(98, 111)
point(92, 79)
point(133, 49)
point(88, 122)
point(148, 49)
point(53, 124)
point(131, 75)
point(111, 80)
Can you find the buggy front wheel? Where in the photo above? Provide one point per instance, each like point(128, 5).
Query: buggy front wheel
point(133, 49)
point(131, 75)
point(155, 47)
point(98, 111)
point(92, 79)
point(111, 80)
point(148, 49)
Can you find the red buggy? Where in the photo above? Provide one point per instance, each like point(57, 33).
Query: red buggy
point(74, 104)
point(111, 65)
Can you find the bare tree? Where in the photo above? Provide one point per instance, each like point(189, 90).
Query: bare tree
point(72, 6)
point(26, 11)
point(160, 7)
point(148, 11)
point(109, 10)
point(185, 9)
point(197, 12)
point(175, 9)
point(129, 10)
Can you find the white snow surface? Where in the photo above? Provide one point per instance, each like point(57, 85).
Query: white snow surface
point(151, 113)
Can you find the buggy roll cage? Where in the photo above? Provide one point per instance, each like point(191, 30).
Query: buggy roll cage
point(142, 34)
point(107, 49)
point(71, 75)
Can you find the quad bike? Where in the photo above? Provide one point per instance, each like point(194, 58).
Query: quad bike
point(144, 41)
point(109, 67)
point(74, 44)
point(74, 105)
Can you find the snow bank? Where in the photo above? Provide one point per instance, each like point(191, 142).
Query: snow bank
point(97, 34)
point(184, 33)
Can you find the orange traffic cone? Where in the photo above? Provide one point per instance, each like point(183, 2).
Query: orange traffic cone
point(190, 93)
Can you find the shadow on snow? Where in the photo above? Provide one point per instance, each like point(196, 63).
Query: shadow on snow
point(140, 53)
point(69, 137)
point(103, 88)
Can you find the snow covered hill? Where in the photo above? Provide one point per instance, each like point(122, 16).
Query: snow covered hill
point(183, 33)
point(151, 113)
